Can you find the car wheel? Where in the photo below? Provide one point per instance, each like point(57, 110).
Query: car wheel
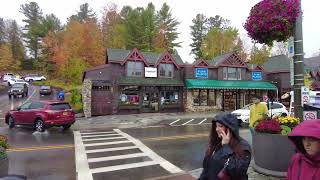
point(39, 125)
point(30, 80)
point(11, 122)
point(9, 96)
point(66, 127)
point(284, 115)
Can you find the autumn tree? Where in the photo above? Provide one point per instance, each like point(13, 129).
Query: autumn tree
point(218, 42)
point(7, 62)
point(78, 46)
point(113, 31)
point(259, 56)
point(198, 32)
point(32, 32)
point(15, 42)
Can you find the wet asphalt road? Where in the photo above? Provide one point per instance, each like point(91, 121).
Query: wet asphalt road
point(51, 155)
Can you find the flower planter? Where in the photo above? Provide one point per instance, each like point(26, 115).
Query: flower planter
point(272, 153)
point(4, 166)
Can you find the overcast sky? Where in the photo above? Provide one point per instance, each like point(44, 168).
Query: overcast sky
point(235, 10)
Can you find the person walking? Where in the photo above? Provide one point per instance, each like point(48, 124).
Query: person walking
point(228, 155)
point(305, 164)
point(258, 111)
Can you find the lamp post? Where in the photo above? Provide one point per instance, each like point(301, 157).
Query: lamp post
point(298, 65)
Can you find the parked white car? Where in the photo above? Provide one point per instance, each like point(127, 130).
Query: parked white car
point(15, 81)
point(243, 114)
point(7, 76)
point(34, 77)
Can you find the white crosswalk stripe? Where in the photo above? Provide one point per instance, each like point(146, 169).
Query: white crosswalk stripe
point(83, 141)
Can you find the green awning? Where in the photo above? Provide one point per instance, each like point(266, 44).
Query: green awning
point(220, 84)
point(137, 81)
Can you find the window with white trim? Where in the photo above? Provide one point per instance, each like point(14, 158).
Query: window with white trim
point(166, 70)
point(135, 68)
point(230, 73)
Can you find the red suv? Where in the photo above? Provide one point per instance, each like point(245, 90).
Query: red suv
point(42, 115)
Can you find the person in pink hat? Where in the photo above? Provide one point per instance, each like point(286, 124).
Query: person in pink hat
point(305, 164)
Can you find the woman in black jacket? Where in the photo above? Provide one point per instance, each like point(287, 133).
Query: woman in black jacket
point(227, 152)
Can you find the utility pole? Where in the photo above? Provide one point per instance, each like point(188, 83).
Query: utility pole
point(298, 65)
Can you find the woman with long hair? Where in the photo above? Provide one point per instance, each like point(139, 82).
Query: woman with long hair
point(228, 155)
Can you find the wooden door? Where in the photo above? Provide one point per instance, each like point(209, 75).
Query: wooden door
point(101, 100)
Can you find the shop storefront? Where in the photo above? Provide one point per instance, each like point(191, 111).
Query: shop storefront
point(149, 95)
point(209, 95)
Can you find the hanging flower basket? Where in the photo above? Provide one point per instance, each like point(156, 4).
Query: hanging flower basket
point(272, 20)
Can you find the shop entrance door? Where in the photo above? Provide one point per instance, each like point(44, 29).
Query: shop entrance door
point(230, 100)
point(150, 102)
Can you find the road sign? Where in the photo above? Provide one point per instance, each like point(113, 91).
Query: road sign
point(291, 47)
point(256, 75)
point(304, 95)
point(309, 115)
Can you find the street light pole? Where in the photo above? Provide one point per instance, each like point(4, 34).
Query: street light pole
point(298, 65)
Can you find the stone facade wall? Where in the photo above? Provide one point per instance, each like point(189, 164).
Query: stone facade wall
point(86, 97)
point(189, 107)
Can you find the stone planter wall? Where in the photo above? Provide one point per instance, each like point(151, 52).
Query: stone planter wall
point(272, 153)
point(189, 107)
point(4, 166)
point(86, 97)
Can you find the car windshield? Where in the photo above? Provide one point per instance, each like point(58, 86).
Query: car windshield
point(45, 87)
point(18, 85)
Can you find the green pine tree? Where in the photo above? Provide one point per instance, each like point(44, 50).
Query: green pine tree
point(168, 26)
point(198, 32)
point(32, 33)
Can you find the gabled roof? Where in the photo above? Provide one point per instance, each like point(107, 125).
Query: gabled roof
point(200, 62)
point(219, 59)
point(135, 55)
point(119, 55)
point(167, 58)
point(277, 63)
point(229, 59)
point(312, 63)
point(254, 67)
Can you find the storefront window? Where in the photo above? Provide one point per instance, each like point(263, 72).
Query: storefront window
point(129, 95)
point(169, 98)
point(134, 68)
point(201, 97)
point(166, 70)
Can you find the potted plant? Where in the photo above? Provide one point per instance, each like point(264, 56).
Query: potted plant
point(272, 150)
point(4, 162)
point(272, 20)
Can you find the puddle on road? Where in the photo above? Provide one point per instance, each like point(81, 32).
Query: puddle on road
point(40, 135)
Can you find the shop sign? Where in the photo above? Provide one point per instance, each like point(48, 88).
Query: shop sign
point(150, 72)
point(202, 73)
point(257, 75)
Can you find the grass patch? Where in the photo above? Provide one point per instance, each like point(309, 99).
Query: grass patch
point(71, 92)
point(2, 87)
